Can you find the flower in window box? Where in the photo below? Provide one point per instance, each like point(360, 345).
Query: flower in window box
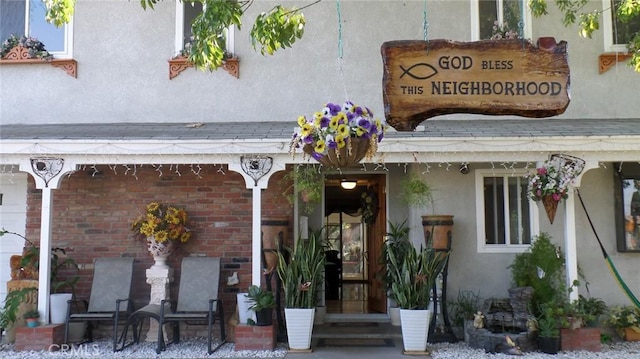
point(35, 48)
point(503, 32)
point(338, 136)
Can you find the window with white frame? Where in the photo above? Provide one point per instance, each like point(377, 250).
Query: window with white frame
point(186, 12)
point(506, 219)
point(617, 34)
point(503, 14)
point(27, 17)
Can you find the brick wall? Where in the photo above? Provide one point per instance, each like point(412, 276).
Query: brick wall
point(93, 210)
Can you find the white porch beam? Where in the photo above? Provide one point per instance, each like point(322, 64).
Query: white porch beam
point(570, 246)
point(256, 181)
point(47, 173)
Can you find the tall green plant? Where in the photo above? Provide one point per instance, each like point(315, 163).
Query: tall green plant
point(541, 267)
point(398, 242)
point(301, 270)
point(414, 277)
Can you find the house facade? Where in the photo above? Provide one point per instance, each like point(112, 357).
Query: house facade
point(116, 126)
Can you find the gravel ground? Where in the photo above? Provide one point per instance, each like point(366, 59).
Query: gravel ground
point(196, 348)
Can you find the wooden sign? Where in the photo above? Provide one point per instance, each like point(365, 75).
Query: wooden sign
point(492, 77)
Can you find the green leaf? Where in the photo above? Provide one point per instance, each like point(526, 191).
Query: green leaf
point(59, 12)
point(277, 29)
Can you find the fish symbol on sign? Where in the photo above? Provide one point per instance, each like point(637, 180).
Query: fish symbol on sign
point(421, 71)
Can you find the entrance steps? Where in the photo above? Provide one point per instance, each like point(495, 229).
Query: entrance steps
point(356, 326)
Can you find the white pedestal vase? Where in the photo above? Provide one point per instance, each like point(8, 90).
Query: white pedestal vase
point(58, 307)
point(415, 329)
point(160, 252)
point(299, 327)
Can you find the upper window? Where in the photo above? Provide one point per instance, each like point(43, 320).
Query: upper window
point(505, 217)
point(617, 34)
point(490, 17)
point(185, 14)
point(27, 17)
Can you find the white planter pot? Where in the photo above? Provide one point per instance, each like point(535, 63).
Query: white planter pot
point(244, 313)
point(394, 315)
point(299, 327)
point(58, 307)
point(415, 329)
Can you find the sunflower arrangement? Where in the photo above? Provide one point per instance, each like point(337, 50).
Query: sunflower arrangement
point(164, 223)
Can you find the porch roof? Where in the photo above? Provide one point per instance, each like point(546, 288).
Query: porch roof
point(514, 128)
point(440, 140)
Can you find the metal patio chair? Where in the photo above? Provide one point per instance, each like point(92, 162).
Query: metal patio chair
point(197, 303)
point(109, 300)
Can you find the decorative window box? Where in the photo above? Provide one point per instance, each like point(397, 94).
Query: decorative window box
point(180, 63)
point(610, 59)
point(20, 55)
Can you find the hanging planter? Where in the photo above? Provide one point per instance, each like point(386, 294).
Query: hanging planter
point(339, 136)
point(549, 184)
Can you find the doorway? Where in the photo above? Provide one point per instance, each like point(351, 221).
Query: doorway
point(355, 222)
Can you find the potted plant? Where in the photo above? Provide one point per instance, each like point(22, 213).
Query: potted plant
point(59, 263)
point(548, 329)
point(262, 302)
point(625, 319)
point(32, 317)
point(417, 193)
point(301, 271)
point(397, 241)
point(308, 183)
point(413, 280)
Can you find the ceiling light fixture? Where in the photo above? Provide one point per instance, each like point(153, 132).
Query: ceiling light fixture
point(348, 184)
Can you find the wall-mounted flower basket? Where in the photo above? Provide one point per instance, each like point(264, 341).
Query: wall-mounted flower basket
point(20, 55)
point(181, 63)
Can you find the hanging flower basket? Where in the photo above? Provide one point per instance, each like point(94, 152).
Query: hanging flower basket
point(351, 154)
point(550, 206)
point(339, 136)
point(549, 184)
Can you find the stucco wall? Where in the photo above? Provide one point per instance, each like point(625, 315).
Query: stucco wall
point(122, 54)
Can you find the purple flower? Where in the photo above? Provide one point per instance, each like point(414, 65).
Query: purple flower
point(308, 140)
point(332, 144)
point(334, 108)
point(364, 123)
point(317, 156)
point(324, 122)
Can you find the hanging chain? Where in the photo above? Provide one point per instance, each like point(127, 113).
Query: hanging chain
point(425, 24)
point(521, 23)
point(340, 51)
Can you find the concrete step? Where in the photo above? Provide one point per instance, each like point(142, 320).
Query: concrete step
point(356, 330)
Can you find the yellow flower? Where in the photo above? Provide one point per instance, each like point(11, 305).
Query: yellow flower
point(161, 236)
point(343, 130)
point(320, 146)
point(302, 120)
point(333, 124)
point(340, 141)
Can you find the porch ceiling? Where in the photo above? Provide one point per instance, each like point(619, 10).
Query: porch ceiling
point(477, 140)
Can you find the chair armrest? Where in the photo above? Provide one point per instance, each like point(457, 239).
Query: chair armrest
point(129, 305)
point(76, 302)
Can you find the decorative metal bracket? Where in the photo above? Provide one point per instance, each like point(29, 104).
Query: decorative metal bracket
point(47, 168)
point(256, 166)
